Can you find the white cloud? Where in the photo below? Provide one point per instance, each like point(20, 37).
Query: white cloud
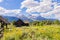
point(44, 8)
point(34, 15)
point(55, 11)
point(29, 3)
point(34, 6)
point(6, 12)
point(1, 0)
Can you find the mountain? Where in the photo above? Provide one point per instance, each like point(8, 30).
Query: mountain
point(10, 19)
point(24, 18)
point(39, 18)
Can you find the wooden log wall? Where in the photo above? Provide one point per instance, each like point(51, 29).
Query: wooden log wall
point(1, 29)
point(1, 32)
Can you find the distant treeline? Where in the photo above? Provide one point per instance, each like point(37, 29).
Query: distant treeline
point(37, 23)
point(45, 22)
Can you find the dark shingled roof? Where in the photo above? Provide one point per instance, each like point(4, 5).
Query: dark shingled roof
point(4, 20)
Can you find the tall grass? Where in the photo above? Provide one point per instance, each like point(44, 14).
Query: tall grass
point(47, 32)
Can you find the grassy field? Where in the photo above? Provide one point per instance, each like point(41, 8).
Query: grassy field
point(47, 32)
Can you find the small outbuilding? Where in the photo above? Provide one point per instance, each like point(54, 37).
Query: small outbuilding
point(20, 23)
point(3, 22)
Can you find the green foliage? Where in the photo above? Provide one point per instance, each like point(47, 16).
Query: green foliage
point(39, 30)
point(56, 22)
point(46, 32)
point(13, 22)
point(36, 23)
point(45, 22)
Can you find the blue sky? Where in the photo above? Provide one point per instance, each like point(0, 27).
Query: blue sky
point(15, 4)
point(11, 4)
point(30, 8)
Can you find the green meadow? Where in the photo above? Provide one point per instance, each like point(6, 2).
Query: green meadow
point(32, 32)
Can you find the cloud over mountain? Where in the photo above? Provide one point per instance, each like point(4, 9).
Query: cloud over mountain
point(46, 8)
point(34, 8)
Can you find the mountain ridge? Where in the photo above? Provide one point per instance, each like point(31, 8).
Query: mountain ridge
point(11, 19)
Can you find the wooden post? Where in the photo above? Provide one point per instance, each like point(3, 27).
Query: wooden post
point(6, 26)
point(2, 25)
point(1, 29)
